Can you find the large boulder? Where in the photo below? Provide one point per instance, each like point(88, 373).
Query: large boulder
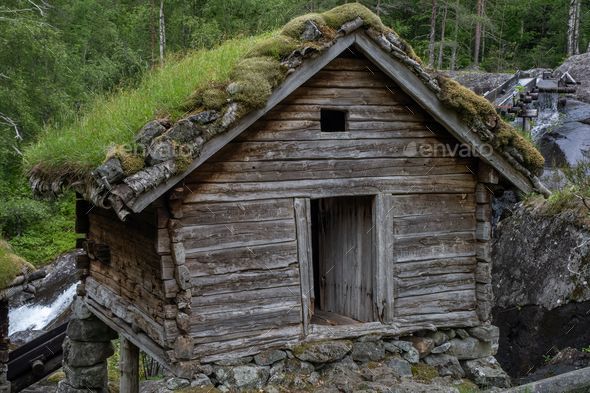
point(243, 377)
point(579, 68)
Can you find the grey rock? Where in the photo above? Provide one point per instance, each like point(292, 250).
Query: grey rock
point(94, 377)
point(206, 369)
point(175, 383)
point(446, 365)
point(340, 376)
point(160, 151)
point(488, 333)
point(297, 366)
point(311, 32)
point(405, 346)
point(401, 367)
point(200, 380)
point(269, 357)
point(441, 348)
point(243, 377)
point(365, 351)
point(462, 333)
point(204, 117)
point(412, 356)
point(469, 348)
point(151, 130)
point(391, 348)
point(487, 372)
point(91, 329)
point(451, 334)
point(85, 354)
point(235, 361)
point(230, 115)
point(184, 131)
point(323, 351)
point(417, 387)
point(80, 309)
point(438, 337)
point(110, 172)
point(64, 387)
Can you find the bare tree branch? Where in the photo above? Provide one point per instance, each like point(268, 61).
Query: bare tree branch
point(11, 123)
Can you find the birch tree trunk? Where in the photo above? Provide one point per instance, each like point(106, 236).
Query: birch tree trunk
point(432, 35)
point(577, 28)
point(455, 38)
point(478, 24)
point(571, 26)
point(441, 47)
point(162, 33)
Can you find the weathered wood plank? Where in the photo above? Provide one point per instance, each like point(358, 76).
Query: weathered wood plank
point(355, 112)
point(416, 204)
point(248, 280)
point(244, 296)
point(431, 246)
point(305, 258)
point(231, 260)
point(322, 188)
point(200, 238)
point(129, 366)
point(435, 266)
point(447, 319)
point(383, 296)
point(424, 285)
point(347, 96)
point(236, 171)
point(436, 303)
point(337, 149)
point(218, 213)
point(439, 223)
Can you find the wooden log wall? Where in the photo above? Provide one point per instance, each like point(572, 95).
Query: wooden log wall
point(130, 285)
point(238, 228)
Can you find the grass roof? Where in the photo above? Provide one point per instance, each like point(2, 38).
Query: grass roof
point(240, 72)
point(11, 265)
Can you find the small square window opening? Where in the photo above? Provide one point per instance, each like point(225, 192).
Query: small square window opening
point(333, 120)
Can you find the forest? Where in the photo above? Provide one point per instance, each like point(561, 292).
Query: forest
point(58, 57)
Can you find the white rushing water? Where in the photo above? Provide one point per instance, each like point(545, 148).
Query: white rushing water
point(36, 316)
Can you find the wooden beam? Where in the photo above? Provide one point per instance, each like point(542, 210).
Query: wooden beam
point(129, 366)
point(383, 272)
point(302, 75)
point(304, 255)
point(427, 99)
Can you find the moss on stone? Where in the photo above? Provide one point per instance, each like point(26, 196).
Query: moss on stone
point(130, 162)
point(338, 16)
point(11, 265)
point(56, 377)
point(424, 372)
point(277, 46)
point(201, 389)
point(296, 26)
point(212, 97)
point(479, 113)
point(466, 386)
point(182, 162)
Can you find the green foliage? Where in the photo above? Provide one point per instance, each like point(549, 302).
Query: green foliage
point(276, 46)
point(577, 188)
point(337, 16)
point(43, 240)
point(424, 372)
point(11, 265)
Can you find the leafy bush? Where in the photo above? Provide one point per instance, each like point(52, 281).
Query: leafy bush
point(16, 215)
point(577, 188)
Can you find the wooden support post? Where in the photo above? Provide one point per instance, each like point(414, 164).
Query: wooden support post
point(129, 367)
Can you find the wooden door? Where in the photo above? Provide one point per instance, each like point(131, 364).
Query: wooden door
point(345, 256)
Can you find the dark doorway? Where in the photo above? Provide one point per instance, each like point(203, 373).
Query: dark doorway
point(342, 243)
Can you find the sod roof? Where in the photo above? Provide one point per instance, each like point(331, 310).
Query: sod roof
point(134, 141)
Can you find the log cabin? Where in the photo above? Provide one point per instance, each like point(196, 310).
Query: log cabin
point(350, 197)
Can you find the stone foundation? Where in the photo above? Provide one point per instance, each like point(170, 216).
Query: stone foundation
point(86, 349)
point(427, 361)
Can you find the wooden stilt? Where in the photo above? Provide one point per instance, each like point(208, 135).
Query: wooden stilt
point(129, 367)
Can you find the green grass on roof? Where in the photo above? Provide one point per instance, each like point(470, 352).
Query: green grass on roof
point(115, 119)
point(11, 265)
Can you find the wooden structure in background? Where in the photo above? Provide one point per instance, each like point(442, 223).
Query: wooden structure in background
point(363, 220)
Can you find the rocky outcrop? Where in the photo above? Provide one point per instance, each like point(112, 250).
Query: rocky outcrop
point(541, 269)
point(579, 68)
